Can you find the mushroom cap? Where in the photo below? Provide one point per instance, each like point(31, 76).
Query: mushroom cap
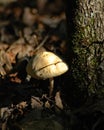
point(46, 65)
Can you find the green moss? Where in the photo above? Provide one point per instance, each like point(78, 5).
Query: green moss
point(85, 62)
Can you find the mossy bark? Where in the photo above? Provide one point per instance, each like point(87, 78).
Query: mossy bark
point(85, 20)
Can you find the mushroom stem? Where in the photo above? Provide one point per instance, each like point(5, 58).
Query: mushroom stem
point(51, 80)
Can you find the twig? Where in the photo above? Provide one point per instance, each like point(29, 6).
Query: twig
point(42, 43)
point(53, 103)
point(36, 99)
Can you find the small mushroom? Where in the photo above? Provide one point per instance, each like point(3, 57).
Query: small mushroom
point(46, 65)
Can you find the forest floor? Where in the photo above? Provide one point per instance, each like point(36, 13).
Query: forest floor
point(24, 102)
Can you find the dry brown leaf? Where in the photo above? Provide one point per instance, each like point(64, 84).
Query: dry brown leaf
point(58, 100)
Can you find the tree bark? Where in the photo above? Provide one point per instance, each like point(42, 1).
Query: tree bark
point(85, 21)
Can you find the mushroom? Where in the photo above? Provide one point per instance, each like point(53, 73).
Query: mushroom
point(46, 65)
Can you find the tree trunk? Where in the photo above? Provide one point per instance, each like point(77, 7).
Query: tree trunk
point(85, 20)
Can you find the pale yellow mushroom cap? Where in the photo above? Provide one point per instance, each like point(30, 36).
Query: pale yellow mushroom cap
point(46, 65)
